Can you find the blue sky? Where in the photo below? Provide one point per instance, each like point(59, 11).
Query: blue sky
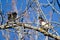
point(21, 7)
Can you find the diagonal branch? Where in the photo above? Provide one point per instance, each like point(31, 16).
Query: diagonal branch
point(31, 27)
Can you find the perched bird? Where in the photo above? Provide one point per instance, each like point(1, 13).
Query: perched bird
point(9, 17)
point(43, 24)
point(12, 16)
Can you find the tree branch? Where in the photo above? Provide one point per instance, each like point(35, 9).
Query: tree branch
point(30, 27)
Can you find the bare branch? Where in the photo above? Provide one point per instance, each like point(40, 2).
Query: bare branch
point(34, 28)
